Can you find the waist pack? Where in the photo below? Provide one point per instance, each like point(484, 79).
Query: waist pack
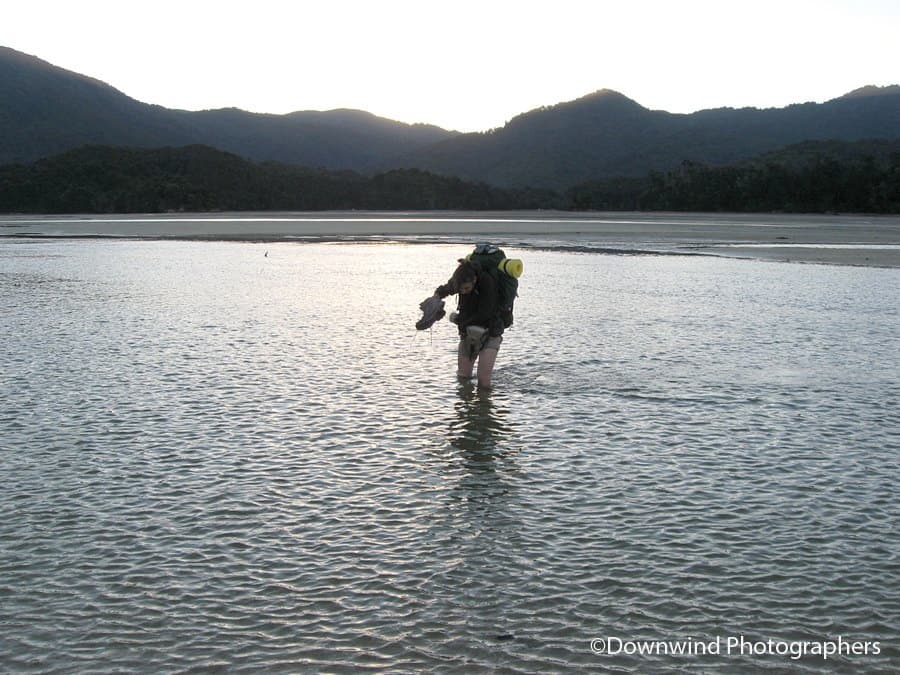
point(475, 339)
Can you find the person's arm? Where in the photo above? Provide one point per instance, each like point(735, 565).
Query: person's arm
point(446, 289)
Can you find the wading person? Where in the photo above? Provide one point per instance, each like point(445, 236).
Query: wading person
point(477, 319)
point(487, 284)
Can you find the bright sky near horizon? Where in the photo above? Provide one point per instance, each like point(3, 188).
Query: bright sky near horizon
point(468, 65)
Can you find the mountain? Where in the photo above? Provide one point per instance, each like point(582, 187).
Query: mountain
point(557, 146)
point(46, 110)
point(873, 91)
point(607, 134)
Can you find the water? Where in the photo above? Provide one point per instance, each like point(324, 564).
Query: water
point(218, 459)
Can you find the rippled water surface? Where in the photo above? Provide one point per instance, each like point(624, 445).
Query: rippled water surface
point(214, 458)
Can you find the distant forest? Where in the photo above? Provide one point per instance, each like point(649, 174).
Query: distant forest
point(811, 177)
point(102, 179)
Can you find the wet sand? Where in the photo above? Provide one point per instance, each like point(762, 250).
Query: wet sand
point(830, 239)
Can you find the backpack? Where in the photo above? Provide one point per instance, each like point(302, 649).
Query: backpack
point(505, 271)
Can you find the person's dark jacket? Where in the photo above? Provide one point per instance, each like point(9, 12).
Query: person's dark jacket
point(481, 307)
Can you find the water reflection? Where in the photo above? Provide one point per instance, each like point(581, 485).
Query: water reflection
point(481, 461)
point(479, 428)
point(484, 512)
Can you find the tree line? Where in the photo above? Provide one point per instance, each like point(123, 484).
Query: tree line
point(823, 185)
point(101, 179)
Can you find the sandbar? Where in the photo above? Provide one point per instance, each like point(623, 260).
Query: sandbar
point(827, 239)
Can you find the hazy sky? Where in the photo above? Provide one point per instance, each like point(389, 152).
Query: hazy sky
point(461, 64)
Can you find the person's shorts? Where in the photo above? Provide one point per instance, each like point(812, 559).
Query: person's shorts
point(492, 343)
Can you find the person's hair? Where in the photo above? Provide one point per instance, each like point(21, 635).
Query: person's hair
point(466, 272)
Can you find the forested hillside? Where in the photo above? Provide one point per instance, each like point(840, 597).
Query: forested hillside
point(102, 179)
point(45, 110)
point(810, 177)
point(606, 135)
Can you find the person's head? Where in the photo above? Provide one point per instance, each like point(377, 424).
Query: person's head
point(465, 277)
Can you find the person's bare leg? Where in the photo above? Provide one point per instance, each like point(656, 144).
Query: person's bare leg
point(464, 367)
point(486, 360)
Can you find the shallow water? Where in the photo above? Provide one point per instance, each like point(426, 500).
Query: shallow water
point(216, 458)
